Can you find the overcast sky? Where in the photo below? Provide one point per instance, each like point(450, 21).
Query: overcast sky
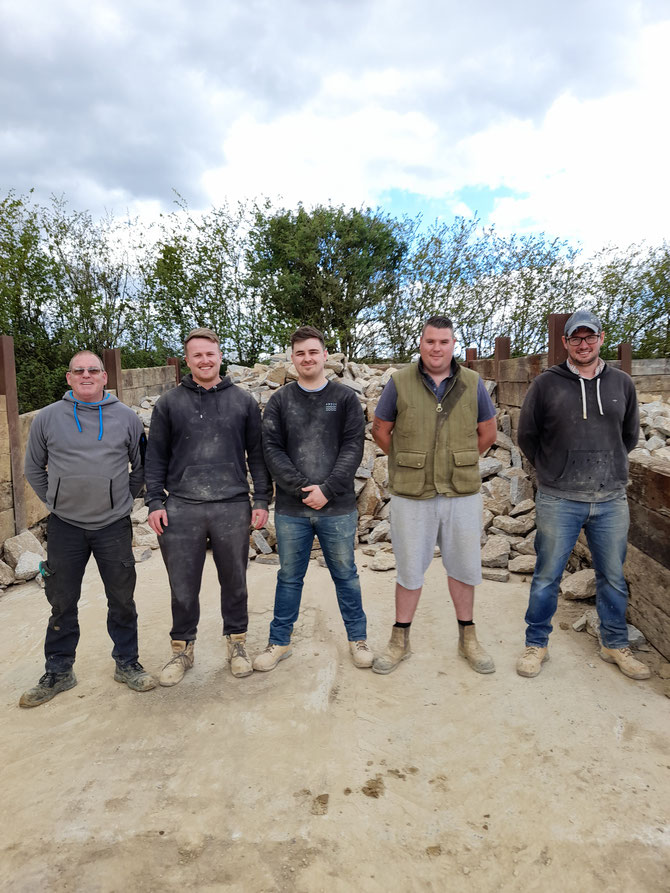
point(537, 115)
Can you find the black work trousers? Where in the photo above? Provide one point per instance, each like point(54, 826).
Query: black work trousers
point(68, 551)
point(183, 545)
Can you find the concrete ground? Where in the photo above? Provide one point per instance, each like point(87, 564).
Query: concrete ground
point(322, 777)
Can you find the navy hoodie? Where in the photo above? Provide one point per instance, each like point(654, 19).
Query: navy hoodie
point(199, 443)
point(577, 432)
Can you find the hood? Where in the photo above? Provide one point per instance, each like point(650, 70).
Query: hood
point(81, 406)
point(564, 372)
point(187, 382)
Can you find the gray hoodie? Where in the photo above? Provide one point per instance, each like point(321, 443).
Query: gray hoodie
point(77, 460)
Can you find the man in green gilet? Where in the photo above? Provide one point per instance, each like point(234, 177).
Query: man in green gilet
point(433, 419)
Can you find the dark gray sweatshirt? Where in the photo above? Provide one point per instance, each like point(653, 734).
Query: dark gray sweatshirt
point(77, 460)
point(577, 432)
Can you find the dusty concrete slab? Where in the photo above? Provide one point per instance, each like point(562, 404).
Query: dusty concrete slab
point(322, 777)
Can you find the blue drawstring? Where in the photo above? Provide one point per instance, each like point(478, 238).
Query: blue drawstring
point(99, 405)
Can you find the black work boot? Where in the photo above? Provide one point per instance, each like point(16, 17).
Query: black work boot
point(47, 688)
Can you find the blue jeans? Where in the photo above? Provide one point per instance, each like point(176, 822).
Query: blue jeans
point(559, 522)
point(295, 536)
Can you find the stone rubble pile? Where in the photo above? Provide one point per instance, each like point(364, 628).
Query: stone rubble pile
point(508, 530)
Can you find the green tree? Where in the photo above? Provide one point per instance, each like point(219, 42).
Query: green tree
point(327, 267)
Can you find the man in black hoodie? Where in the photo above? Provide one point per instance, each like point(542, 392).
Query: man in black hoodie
point(202, 434)
point(577, 425)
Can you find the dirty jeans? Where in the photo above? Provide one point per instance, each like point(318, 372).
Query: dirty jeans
point(559, 522)
point(183, 545)
point(295, 536)
point(68, 551)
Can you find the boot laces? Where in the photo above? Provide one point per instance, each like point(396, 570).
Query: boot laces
point(239, 650)
point(532, 650)
point(361, 645)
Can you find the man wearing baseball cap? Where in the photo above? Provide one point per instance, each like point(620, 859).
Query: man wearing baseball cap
point(577, 425)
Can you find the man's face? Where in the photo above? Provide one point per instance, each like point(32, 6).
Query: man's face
point(584, 354)
point(203, 358)
point(87, 386)
point(309, 358)
point(437, 349)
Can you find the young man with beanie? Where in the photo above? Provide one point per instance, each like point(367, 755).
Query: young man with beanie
point(577, 425)
point(433, 419)
point(77, 459)
point(313, 433)
point(202, 435)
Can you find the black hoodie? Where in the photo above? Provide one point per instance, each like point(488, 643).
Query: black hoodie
point(199, 442)
point(577, 432)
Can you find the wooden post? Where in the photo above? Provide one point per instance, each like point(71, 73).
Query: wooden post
point(8, 388)
point(625, 355)
point(470, 356)
point(557, 353)
point(503, 348)
point(111, 357)
point(176, 362)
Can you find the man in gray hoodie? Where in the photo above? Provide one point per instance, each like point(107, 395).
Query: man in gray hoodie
point(577, 425)
point(77, 462)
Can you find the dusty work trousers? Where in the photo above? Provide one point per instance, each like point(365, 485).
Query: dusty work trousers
point(183, 546)
point(68, 551)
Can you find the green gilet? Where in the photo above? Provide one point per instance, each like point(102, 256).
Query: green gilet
point(434, 445)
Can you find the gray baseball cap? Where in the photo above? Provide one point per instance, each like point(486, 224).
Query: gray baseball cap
point(582, 319)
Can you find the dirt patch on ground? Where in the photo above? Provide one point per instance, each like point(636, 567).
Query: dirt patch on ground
point(322, 777)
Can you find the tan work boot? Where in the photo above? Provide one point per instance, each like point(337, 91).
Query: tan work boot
point(530, 662)
point(240, 665)
point(629, 665)
point(472, 651)
point(182, 660)
point(268, 659)
point(361, 654)
point(397, 650)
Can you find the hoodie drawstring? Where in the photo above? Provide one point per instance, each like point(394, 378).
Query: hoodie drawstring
point(76, 417)
point(600, 405)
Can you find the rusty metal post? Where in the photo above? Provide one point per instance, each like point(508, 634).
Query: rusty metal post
point(111, 357)
point(625, 355)
point(556, 323)
point(176, 362)
point(470, 356)
point(502, 351)
point(8, 388)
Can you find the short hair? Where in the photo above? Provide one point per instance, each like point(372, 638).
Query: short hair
point(209, 334)
point(306, 332)
point(80, 353)
point(438, 322)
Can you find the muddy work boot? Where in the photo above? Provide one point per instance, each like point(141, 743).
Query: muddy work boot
point(629, 665)
point(472, 651)
point(268, 659)
point(397, 650)
point(361, 654)
point(47, 688)
point(240, 665)
point(530, 662)
point(182, 660)
point(134, 676)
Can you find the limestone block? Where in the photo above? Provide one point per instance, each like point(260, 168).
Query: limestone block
point(655, 442)
point(495, 575)
point(579, 585)
point(505, 424)
point(497, 488)
point(353, 384)
point(662, 453)
point(497, 506)
point(522, 508)
point(380, 471)
point(6, 574)
point(496, 552)
point(489, 466)
point(267, 559)
point(381, 532)
point(383, 561)
point(521, 489)
point(522, 564)
point(367, 465)
point(143, 535)
point(369, 499)
point(527, 547)
point(15, 546)
point(28, 565)
point(384, 512)
point(504, 440)
point(140, 515)
point(487, 519)
point(503, 456)
point(6, 524)
point(517, 526)
point(387, 375)
point(141, 553)
point(260, 543)
point(276, 374)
